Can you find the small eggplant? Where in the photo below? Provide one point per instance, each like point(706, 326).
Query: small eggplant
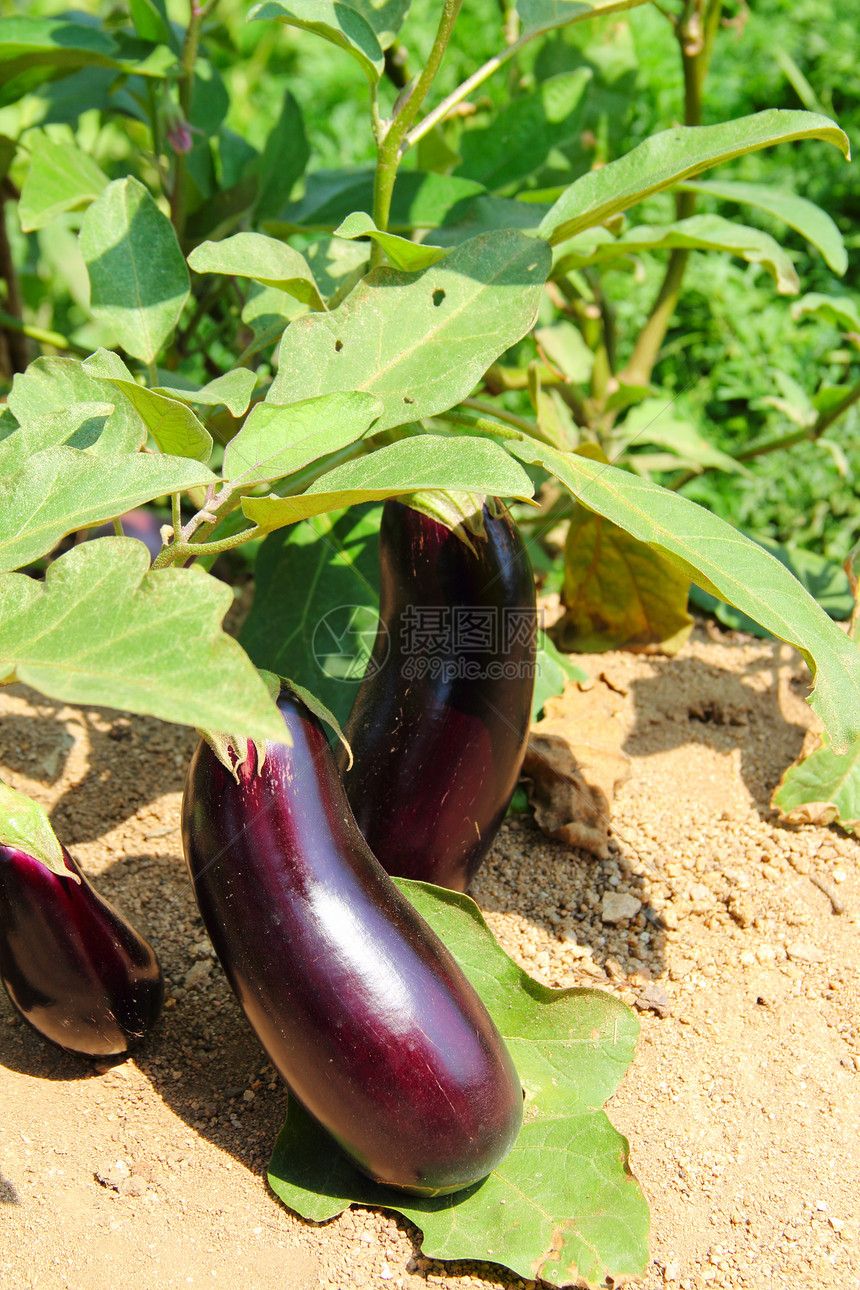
point(439, 725)
point(72, 966)
point(360, 1007)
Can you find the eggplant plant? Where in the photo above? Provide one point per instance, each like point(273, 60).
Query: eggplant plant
point(248, 342)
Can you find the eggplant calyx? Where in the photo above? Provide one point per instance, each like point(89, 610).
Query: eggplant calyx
point(25, 826)
point(233, 751)
point(461, 513)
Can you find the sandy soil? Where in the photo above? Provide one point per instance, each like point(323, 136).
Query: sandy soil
point(743, 1104)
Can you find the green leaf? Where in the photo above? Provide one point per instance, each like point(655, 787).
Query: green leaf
point(652, 421)
point(518, 140)
point(403, 254)
point(35, 50)
point(138, 277)
point(103, 629)
point(80, 425)
point(704, 233)
point(721, 560)
point(64, 489)
point(60, 178)
point(386, 17)
point(619, 592)
point(667, 158)
point(840, 311)
point(543, 15)
point(25, 826)
point(552, 673)
point(336, 263)
point(276, 441)
point(283, 160)
point(396, 333)
point(822, 788)
point(808, 219)
point(563, 1204)
point(151, 21)
point(565, 348)
point(233, 389)
point(328, 566)
point(52, 385)
point(458, 464)
point(253, 255)
point(335, 21)
point(173, 426)
point(420, 201)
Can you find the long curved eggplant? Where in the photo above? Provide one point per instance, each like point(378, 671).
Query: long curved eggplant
point(72, 966)
point(439, 726)
point(358, 1004)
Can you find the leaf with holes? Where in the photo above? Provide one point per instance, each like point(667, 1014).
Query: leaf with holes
point(104, 629)
point(563, 1205)
point(138, 276)
point(396, 335)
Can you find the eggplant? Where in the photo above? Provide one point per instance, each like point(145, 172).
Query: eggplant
point(72, 966)
point(439, 726)
point(359, 1006)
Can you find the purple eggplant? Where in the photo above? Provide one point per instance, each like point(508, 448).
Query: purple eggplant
point(439, 725)
point(360, 1007)
point(72, 966)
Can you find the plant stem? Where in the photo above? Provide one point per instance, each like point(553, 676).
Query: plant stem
point(177, 551)
point(187, 59)
point(176, 515)
point(389, 149)
point(53, 338)
point(14, 336)
point(508, 418)
point(695, 33)
point(463, 90)
point(117, 527)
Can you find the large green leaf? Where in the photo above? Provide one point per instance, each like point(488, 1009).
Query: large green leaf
point(51, 386)
point(316, 602)
point(335, 21)
point(797, 212)
point(25, 826)
point(563, 1205)
point(276, 441)
point(103, 629)
point(138, 276)
point(673, 155)
point(64, 489)
point(60, 178)
point(543, 15)
point(517, 140)
point(80, 425)
point(34, 50)
point(619, 592)
point(698, 233)
point(266, 260)
point(822, 788)
point(467, 464)
point(419, 341)
point(721, 560)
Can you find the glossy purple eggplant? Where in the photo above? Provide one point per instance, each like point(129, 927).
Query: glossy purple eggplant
point(360, 1007)
point(71, 964)
point(439, 726)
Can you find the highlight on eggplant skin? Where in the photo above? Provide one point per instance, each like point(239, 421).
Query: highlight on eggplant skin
point(365, 1014)
point(74, 969)
point(438, 732)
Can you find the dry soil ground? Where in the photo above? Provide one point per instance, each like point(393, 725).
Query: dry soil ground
point(743, 1104)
